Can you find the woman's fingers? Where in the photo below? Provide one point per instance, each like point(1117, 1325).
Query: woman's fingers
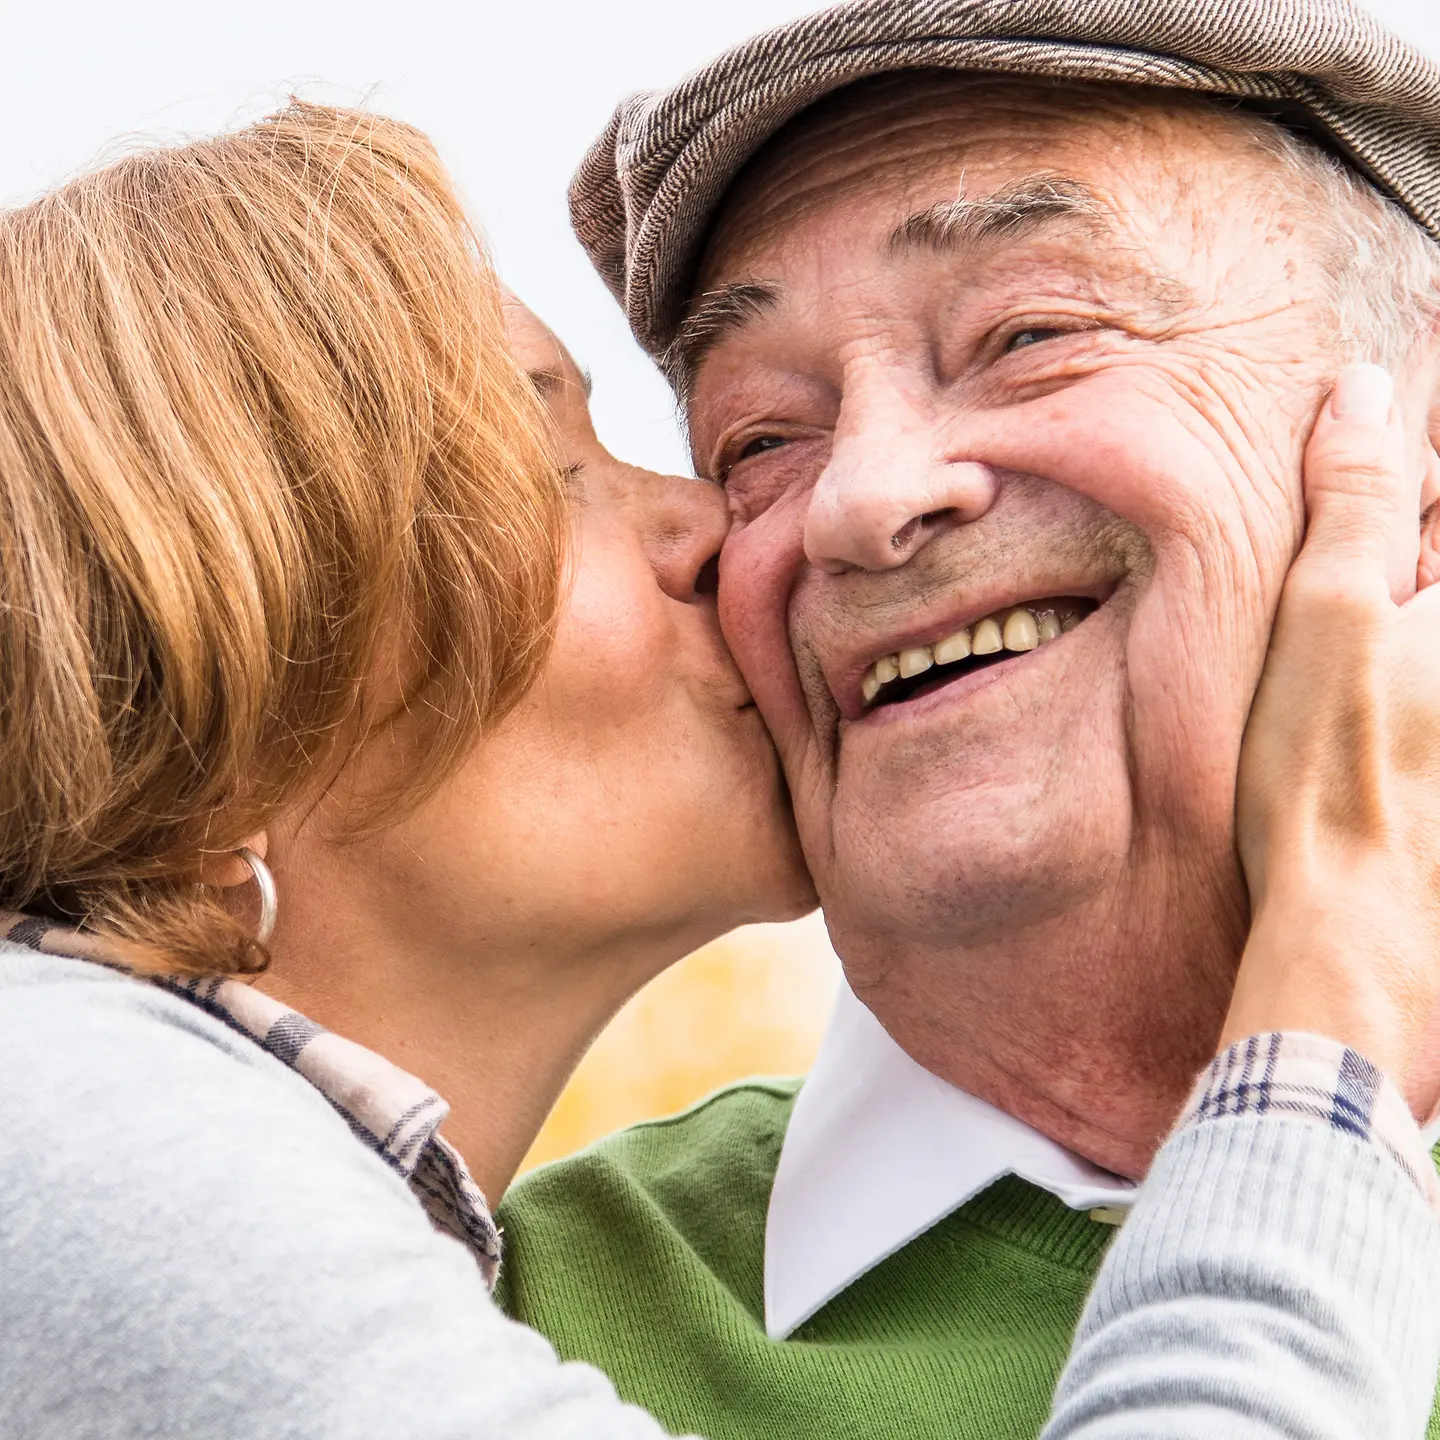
point(1338, 809)
point(1324, 670)
point(1361, 504)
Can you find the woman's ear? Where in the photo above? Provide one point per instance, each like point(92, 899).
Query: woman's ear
point(225, 869)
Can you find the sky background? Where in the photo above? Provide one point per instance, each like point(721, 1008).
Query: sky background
point(513, 93)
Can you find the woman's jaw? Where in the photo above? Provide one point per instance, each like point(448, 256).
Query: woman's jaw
point(628, 810)
point(677, 808)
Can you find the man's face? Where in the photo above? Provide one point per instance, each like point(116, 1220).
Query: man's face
point(1083, 392)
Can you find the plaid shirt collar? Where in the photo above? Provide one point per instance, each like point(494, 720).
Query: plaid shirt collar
point(1315, 1079)
point(387, 1109)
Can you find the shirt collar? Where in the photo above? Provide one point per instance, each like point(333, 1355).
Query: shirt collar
point(387, 1109)
point(878, 1151)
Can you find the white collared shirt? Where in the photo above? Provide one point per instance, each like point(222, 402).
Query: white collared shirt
point(879, 1151)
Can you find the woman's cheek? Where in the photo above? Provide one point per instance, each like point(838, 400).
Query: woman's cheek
point(609, 651)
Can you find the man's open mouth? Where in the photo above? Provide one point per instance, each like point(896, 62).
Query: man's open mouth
point(990, 641)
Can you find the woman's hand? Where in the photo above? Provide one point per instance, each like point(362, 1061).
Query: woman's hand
point(1339, 795)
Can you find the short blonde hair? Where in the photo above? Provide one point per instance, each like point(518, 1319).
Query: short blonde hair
point(257, 417)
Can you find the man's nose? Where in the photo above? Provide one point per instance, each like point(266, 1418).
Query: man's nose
point(892, 485)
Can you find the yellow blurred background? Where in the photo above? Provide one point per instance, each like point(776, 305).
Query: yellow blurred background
point(752, 1003)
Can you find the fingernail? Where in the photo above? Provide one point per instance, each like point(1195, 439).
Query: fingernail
point(1363, 393)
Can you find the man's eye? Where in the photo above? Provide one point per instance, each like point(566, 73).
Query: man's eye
point(1036, 335)
point(759, 446)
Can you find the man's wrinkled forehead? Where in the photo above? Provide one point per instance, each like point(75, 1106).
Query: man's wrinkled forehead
point(1012, 158)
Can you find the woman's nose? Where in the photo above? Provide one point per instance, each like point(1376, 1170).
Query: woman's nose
point(685, 524)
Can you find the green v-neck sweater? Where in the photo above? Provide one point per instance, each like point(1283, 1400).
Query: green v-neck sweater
point(644, 1256)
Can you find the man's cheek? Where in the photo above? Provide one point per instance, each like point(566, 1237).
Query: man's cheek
point(1128, 439)
point(1192, 659)
point(756, 581)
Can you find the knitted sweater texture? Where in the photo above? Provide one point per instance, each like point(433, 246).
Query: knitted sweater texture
point(644, 1256)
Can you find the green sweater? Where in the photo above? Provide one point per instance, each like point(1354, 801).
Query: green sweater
point(644, 1256)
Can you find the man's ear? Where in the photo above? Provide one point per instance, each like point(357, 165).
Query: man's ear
point(1427, 570)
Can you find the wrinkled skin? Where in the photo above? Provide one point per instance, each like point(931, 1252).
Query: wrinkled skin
point(1031, 872)
point(1338, 805)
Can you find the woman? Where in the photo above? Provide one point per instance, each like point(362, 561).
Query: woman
point(282, 563)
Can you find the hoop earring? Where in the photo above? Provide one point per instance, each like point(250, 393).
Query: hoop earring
point(265, 883)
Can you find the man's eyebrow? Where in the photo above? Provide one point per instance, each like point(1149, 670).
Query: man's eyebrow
point(711, 318)
point(1021, 206)
point(1034, 201)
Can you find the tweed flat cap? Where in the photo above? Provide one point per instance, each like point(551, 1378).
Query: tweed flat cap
point(645, 194)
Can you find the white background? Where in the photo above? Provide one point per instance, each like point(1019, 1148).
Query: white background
point(512, 90)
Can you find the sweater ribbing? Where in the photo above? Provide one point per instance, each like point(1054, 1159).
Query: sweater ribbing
point(644, 1256)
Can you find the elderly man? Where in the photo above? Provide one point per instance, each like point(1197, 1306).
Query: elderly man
point(1003, 326)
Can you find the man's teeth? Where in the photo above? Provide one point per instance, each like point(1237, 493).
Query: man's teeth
point(988, 638)
point(957, 647)
point(916, 662)
point(1019, 629)
point(1022, 630)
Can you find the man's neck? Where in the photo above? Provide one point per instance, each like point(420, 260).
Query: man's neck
point(1096, 1046)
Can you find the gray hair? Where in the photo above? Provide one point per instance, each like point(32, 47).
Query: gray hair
point(1383, 269)
point(1380, 268)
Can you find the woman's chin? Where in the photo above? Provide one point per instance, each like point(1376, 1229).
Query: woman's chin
point(774, 865)
point(795, 889)
point(740, 856)
point(795, 905)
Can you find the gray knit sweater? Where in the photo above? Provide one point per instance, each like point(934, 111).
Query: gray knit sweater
point(195, 1243)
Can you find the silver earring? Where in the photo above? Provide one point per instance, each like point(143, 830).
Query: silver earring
point(265, 883)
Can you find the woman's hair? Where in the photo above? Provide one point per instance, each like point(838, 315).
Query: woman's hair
point(261, 438)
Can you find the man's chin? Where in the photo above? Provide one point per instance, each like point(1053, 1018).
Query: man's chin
point(967, 870)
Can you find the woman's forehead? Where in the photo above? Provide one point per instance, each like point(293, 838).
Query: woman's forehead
point(537, 347)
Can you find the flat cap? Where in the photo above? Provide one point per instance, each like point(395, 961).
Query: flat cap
point(649, 187)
